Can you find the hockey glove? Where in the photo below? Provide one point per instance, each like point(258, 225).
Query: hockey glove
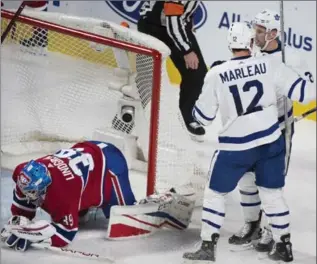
point(20, 232)
point(11, 240)
point(17, 243)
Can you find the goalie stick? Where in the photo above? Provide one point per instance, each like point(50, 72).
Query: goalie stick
point(74, 253)
point(13, 20)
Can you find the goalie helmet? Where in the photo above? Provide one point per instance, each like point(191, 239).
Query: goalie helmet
point(240, 36)
point(34, 180)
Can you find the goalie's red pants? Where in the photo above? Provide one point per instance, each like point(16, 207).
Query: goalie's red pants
point(117, 171)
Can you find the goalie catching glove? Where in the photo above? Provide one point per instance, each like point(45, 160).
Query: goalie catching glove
point(20, 232)
point(169, 210)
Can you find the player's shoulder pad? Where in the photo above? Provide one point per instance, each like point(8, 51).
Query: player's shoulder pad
point(216, 67)
point(294, 58)
point(217, 62)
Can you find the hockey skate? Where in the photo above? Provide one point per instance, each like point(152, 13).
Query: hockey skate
point(250, 231)
point(265, 244)
point(196, 131)
point(205, 255)
point(282, 251)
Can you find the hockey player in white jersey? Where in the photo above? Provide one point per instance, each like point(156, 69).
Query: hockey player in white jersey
point(267, 43)
point(246, 90)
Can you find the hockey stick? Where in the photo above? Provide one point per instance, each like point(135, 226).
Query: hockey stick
point(74, 253)
point(307, 113)
point(10, 25)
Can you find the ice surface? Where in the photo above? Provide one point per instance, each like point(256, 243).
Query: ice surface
point(168, 246)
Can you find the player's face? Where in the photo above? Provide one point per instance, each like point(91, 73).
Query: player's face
point(260, 33)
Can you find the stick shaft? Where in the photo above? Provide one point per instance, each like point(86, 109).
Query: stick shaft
point(13, 20)
point(307, 113)
point(74, 253)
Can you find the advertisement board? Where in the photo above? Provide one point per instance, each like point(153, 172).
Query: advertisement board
point(212, 20)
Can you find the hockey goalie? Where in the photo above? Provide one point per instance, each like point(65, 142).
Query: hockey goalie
point(90, 174)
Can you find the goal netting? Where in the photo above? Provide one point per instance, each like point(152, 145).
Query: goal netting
point(64, 77)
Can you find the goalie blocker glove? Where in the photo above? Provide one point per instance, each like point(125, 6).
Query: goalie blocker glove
point(11, 240)
point(20, 232)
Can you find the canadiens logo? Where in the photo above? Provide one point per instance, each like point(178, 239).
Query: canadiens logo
point(23, 181)
point(130, 11)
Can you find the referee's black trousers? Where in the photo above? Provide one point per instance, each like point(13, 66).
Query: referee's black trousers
point(192, 80)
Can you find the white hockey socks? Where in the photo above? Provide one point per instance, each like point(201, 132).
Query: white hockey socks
point(249, 197)
point(276, 211)
point(213, 214)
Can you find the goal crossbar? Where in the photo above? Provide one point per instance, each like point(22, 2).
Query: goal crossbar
point(157, 61)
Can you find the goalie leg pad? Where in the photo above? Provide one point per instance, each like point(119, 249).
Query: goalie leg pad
point(133, 221)
point(151, 214)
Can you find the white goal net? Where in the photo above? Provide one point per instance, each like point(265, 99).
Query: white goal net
point(64, 78)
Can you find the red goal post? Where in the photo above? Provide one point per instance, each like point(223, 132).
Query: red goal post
point(170, 153)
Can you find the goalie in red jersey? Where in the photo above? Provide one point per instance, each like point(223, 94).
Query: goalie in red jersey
point(91, 174)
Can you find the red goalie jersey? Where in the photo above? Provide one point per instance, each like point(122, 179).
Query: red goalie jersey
point(90, 174)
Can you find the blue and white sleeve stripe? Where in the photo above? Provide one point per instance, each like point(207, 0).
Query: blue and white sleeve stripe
point(297, 90)
point(200, 117)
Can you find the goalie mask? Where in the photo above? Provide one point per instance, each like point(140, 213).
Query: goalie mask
point(264, 23)
point(34, 180)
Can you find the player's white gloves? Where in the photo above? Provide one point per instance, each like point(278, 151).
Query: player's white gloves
point(19, 233)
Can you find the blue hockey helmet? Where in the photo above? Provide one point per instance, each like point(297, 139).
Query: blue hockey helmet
point(33, 180)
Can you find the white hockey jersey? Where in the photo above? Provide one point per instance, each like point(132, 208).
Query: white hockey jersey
point(295, 61)
point(246, 91)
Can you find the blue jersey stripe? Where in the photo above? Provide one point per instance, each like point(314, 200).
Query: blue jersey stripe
point(302, 92)
point(250, 137)
point(202, 115)
point(68, 234)
point(291, 90)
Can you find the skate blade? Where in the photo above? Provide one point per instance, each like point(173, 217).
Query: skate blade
point(241, 248)
point(264, 258)
point(196, 138)
point(191, 261)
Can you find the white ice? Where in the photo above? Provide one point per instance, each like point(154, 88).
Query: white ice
point(168, 246)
